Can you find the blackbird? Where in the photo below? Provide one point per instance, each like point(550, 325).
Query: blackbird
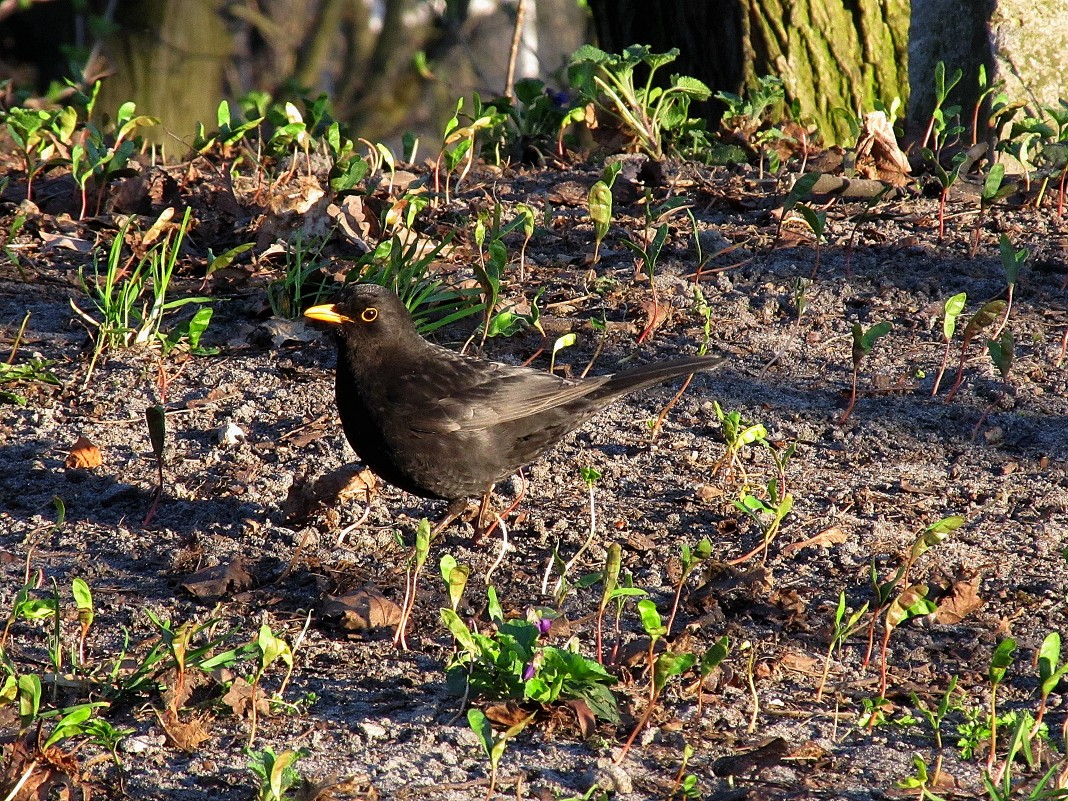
point(443, 425)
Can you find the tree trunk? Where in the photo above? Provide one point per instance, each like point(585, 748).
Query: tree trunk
point(829, 53)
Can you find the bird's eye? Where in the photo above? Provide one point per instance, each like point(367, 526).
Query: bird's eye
point(369, 315)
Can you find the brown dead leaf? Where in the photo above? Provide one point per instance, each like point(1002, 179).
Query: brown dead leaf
point(364, 611)
point(329, 491)
point(219, 580)
point(334, 788)
point(66, 242)
point(801, 663)
point(824, 539)
point(507, 714)
point(961, 602)
point(84, 455)
point(768, 754)
point(241, 696)
point(186, 735)
point(587, 721)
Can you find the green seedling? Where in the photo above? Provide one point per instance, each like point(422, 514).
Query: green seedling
point(565, 341)
point(303, 282)
point(458, 141)
point(513, 664)
point(526, 218)
point(1001, 352)
point(844, 628)
point(863, 342)
point(411, 581)
point(989, 314)
point(688, 560)
point(685, 785)
point(406, 267)
point(1011, 262)
point(1050, 673)
point(768, 516)
point(1000, 661)
point(508, 323)
point(938, 128)
point(950, 312)
point(936, 718)
point(41, 137)
point(993, 190)
point(131, 302)
point(455, 577)
point(921, 780)
point(229, 133)
point(275, 773)
point(745, 117)
point(651, 115)
point(710, 660)
point(493, 746)
point(801, 189)
point(662, 667)
point(817, 222)
point(946, 179)
point(999, 786)
point(994, 92)
point(600, 202)
point(737, 435)
point(609, 583)
point(647, 257)
point(269, 648)
point(35, 369)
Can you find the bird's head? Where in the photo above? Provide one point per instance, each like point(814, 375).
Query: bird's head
point(364, 313)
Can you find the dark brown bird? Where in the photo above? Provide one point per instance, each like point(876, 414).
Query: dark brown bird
point(443, 425)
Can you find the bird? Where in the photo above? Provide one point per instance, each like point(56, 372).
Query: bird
point(448, 426)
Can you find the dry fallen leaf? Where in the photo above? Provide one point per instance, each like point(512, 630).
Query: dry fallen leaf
point(961, 602)
point(219, 580)
point(364, 611)
point(242, 695)
point(824, 539)
point(186, 735)
point(84, 454)
point(507, 714)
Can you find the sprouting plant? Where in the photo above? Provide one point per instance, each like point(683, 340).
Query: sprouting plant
point(685, 785)
point(123, 318)
point(590, 476)
point(946, 179)
point(737, 435)
point(662, 667)
point(40, 136)
point(999, 786)
point(800, 190)
point(458, 141)
point(526, 217)
point(950, 312)
point(455, 577)
point(493, 746)
point(992, 191)
point(411, 581)
point(1050, 673)
point(936, 717)
point(745, 117)
point(269, 648)
point(844, 628)
point(863, 342)
point(867, 214)
point(650, 114)
point(1011, 262)
point(406, 268)
point(609, 582)
point(561, 342)
point(990, 313)
point(275, 773)
point(768, 515)
point(1000, 661)
point(938, 130)
point(301, 284)
point(688, 560)
point(816, 221)
point(512, 663)
point(600, 201)
point(998, 100)
point(710, 660)
point(921, 780)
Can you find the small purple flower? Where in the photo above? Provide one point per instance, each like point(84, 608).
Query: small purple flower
point(528, 672)
point(544, 624)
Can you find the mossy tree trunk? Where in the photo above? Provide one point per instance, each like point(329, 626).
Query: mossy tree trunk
point(829, 53)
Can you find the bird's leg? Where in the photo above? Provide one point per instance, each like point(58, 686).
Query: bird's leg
point(480, 528)
point(452, 511)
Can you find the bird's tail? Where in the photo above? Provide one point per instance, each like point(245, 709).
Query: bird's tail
point(648, 375)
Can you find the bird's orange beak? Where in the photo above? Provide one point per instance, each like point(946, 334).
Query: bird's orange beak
point(326, 313)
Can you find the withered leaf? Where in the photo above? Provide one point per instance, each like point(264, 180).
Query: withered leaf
point(242, 695)
point(186, 735)
point(84, 455)
point(766, 755)
point(365, 610)
point(507, 714)
point(961, 602)
point(219, 580)
point(824, 539)
point(587, 722)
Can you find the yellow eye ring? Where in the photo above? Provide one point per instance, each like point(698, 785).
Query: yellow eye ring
point(369, 315)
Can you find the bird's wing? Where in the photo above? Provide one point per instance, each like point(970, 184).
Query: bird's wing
point(491, 395)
